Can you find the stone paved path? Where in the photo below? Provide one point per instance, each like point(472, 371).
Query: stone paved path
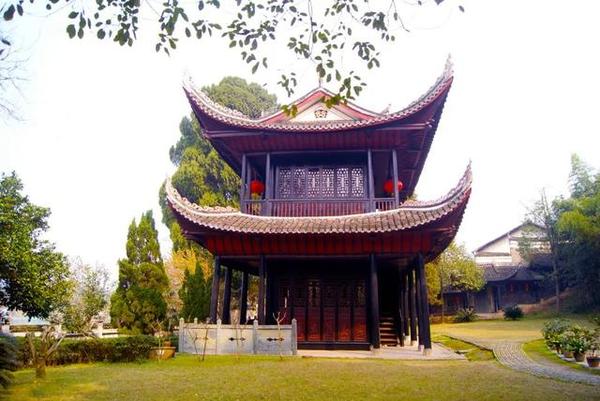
point(511, 354)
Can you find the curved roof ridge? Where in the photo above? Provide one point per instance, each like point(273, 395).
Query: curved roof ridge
point(465, 181)
point(229, 116)
point(189, 86)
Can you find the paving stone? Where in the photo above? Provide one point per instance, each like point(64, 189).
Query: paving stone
point(511, 354)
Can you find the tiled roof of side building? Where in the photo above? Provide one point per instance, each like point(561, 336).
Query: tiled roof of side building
point(493, 273)
point(410, 215)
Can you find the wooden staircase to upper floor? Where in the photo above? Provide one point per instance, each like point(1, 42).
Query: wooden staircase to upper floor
point(387, 331)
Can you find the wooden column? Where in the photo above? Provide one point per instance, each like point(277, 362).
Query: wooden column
point(244, 298)
point(268, 185)
point(419, 312)
point(424, 304)
point(371, 180)
point(405, 295)
point(214, 294)
point(243, 180)
point(395, 169)
point(400, 312)
point(374, 301)
point(261, 289)
point(227, 297)
point(412, 306)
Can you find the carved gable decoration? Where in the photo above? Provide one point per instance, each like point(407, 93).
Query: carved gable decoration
point(320, 112)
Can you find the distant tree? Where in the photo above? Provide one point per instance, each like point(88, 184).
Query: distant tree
point(195, 295)
point(138, 303)
point(572, 227)
point(33, 276)
point(456, 269)
point(248, 98)
point(204, 178)
point(545, 214)
point(578, 226)
point(91, 293)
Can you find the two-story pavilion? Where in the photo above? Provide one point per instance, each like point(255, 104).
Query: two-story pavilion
point(326, 219)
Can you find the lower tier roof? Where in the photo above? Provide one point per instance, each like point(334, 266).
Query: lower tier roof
point(422, 224)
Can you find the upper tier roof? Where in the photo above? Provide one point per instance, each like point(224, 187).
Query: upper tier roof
point(345, 127)
point(215, 117)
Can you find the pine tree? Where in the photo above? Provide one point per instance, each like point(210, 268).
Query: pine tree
point(195, 295)
point(138, 303)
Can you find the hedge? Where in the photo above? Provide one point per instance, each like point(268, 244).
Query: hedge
point(120, 349)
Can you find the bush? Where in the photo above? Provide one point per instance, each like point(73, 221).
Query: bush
point(513, 313)
point(120, 349)
point(577, 339)
point(552, 331)
point(465, 315)
point(8, 359)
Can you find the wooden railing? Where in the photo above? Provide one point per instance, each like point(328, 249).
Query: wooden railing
point(316, 207)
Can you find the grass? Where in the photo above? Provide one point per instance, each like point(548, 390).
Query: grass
point(268, 378)
point(527, 329)
point(472, 352)
point(538, 351)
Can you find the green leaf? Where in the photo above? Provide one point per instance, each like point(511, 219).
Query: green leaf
point(71, 31)
point(255, 67)
point(101, 34)
point(9, 13)
point(73, 14)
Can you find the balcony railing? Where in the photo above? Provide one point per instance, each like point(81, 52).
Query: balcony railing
point(316, 207)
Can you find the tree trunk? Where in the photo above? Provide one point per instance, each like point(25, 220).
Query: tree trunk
point(556, 285)
point(40, 368)
point(442, 296)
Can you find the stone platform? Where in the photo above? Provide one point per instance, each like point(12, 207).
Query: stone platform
point(412, 353)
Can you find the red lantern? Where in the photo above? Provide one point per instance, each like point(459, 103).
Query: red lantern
point(257, 187)
point(388, 186)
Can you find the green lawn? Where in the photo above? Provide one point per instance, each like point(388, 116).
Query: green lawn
point(268, 378)
point(538, 351)
point(472, 352)
point(524, 330)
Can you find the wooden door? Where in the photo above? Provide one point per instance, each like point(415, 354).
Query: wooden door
point(360, 311)
point(313, 315)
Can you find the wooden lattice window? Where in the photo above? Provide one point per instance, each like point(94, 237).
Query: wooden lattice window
point(320, 182)
point(299, 183)
point(327, 176)
point(314, 183)
point(284, 182)
point(357, 181)
point(342, 182)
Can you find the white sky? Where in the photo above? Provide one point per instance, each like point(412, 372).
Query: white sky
point(99, 119)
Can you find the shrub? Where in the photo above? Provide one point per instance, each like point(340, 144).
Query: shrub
point(513, 313)
point(120, 349)
point(576, 339)
point(8, 359)
point(552, 331)
point(464, 315)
